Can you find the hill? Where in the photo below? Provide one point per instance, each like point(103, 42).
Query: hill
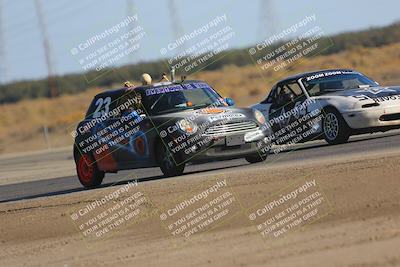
point(77, 83)
point(22, 124)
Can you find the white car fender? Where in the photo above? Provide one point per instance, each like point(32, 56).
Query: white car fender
point(342, 104)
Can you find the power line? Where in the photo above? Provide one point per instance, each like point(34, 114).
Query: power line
point(25, 26)
point(27, 21)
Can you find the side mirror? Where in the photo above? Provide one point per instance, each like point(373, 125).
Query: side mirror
point(229, 101)
point(292, 98)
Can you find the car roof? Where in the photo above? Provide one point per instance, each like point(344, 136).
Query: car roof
point(304, 74)
point(121, 91)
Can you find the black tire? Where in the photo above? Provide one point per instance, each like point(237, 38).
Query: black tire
point(256, 159)
point(335, 129)
point(167, 163)
point(88, 173)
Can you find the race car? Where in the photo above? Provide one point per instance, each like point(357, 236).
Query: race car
point(330, 104)
point(164, 125)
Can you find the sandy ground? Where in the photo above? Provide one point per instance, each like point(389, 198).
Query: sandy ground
point(358, 223)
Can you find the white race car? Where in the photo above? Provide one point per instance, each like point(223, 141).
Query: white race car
point(347, 103)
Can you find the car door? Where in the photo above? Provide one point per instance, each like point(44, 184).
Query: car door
point(287, 97)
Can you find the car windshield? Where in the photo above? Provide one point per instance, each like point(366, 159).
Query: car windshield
point(180, 97)
point(324, 83)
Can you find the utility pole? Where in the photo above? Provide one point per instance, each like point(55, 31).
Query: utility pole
point(53, 92)
point(130, 11)
point(267, 20)
point(176, 22)
point(3, 61)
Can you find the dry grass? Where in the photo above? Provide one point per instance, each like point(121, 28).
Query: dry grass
point(21, 124)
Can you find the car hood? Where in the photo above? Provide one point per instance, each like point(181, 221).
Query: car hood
point(371, 93)
point(212, 115)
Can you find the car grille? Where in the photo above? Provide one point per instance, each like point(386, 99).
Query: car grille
point(231, 128)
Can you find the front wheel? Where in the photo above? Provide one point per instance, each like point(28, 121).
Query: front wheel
point(88, 173)
point(167, 163)
point(336, 130)
point(256, 158)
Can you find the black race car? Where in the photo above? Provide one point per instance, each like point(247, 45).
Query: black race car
point(166, 125)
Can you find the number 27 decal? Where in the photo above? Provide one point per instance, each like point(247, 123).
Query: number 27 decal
point(102, 107)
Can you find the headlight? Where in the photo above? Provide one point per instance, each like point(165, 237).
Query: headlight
point(187, 126)
point(259, 116)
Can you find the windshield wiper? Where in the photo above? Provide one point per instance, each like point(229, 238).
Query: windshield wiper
point(155, 102)
point(201, 106)
point(173, 110)
point(333, 90)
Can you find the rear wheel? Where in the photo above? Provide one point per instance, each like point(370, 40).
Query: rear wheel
point(167, 163)
point(88, 173)
point(336, 130)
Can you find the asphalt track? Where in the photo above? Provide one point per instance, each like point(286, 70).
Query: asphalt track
point(313, 151)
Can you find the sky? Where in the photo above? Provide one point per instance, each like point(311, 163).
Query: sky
point(71, 22)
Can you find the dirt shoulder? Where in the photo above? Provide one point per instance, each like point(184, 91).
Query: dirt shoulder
point(359, 223)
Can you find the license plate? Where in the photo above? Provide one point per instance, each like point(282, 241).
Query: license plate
point(236, 140)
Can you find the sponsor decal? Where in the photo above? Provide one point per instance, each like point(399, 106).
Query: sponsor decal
point(211, 111)
point(378, 94)
point(175, 88)
point(227, 116)
point(387, 98)
point(327, 74)
point(377, 91)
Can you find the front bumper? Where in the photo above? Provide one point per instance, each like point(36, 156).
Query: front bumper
point(217, 148)
point(373, 117)
point(223, 152)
